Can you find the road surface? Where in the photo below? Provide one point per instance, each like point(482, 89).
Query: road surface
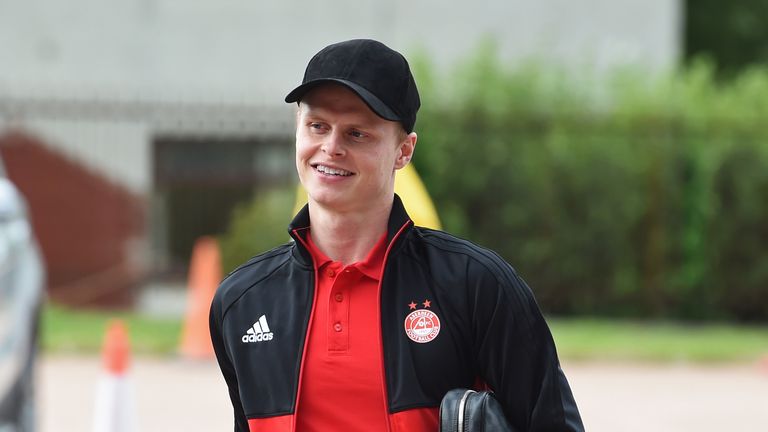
point(178, 395)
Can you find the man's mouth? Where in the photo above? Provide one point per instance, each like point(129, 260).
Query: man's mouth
point(333, 171)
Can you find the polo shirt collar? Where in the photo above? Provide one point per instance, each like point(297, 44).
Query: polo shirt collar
point(398, 221)
point(369, 266)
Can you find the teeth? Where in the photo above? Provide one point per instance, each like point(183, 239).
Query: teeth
point(332, 171)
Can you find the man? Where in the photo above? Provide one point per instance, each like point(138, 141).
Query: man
point(365, 321)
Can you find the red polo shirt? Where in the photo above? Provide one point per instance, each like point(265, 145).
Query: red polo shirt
point(342, 386)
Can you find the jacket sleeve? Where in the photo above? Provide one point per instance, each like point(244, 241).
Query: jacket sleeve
point(516, 355)
point(225, 364)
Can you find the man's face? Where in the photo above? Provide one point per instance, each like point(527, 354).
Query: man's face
point(346, 155)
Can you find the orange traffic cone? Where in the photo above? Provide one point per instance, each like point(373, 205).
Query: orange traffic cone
point(762, 364)
point(204, 278)
point(114, 410)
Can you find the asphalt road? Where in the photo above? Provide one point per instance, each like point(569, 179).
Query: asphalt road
point(176, 395)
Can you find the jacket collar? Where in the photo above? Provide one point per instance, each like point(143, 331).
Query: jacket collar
point(297, 229)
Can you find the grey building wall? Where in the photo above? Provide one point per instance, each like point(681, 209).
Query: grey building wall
point(248, 51)
point(121, 71)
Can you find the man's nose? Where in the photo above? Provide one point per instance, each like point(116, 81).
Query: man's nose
point(333, 145)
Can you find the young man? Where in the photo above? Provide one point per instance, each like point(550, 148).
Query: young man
point(365, 321)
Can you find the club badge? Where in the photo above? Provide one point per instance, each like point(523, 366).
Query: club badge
point(422, 325)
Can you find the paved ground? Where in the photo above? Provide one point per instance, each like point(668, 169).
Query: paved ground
point(170, 395)
point(176, 395)
point(676, 398)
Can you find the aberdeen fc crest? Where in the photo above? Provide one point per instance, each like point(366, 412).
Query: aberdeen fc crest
point(422, 325)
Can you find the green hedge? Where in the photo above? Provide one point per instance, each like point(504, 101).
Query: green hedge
point(257, 226)
point(629, 196)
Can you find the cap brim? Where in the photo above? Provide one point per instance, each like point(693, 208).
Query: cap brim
point(373, 102)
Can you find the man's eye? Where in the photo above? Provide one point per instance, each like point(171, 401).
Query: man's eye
point(357, 134)
point(316, 127)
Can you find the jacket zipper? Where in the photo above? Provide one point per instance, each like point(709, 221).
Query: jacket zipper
point(381, 327)
point(306, 336)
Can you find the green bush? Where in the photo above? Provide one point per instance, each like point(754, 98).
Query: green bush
point(731, 32)
point(257, 226)
point(634, 197)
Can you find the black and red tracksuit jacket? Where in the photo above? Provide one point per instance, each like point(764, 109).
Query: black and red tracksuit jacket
point(491, 329)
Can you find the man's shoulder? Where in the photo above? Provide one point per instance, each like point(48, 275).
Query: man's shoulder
point(457, 248)
point(253, 272)
point(263, 261)
point(463, 262)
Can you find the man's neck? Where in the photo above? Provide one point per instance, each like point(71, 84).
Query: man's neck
point(347, 237)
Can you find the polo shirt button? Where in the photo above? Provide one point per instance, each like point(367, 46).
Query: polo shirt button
point(331, 273)
point(339, 297)
point(337, 327)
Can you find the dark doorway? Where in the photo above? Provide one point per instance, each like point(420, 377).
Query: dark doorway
point(199, 181)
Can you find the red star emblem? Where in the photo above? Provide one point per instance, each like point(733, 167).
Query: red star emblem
point(427, 303)
point(412, 305)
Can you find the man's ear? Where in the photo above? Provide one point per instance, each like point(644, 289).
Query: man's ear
point(407, 147)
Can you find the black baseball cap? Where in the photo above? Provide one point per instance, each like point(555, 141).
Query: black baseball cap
point(378, 74)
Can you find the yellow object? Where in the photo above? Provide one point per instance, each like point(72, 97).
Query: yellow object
point(411, 190)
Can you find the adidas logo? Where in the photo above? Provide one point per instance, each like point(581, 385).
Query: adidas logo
point(259, 332)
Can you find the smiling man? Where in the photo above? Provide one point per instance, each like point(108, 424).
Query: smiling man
point(365, 321)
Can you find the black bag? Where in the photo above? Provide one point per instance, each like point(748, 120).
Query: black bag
point(463, 410)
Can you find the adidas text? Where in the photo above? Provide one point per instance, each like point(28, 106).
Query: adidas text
point(259, 332)
point(258, 338)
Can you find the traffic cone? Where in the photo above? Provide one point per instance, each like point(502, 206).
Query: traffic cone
point(115, 410)
point(762, 364)
point(204, 278)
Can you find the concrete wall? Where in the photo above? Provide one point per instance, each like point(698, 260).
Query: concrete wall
point(254, 51)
